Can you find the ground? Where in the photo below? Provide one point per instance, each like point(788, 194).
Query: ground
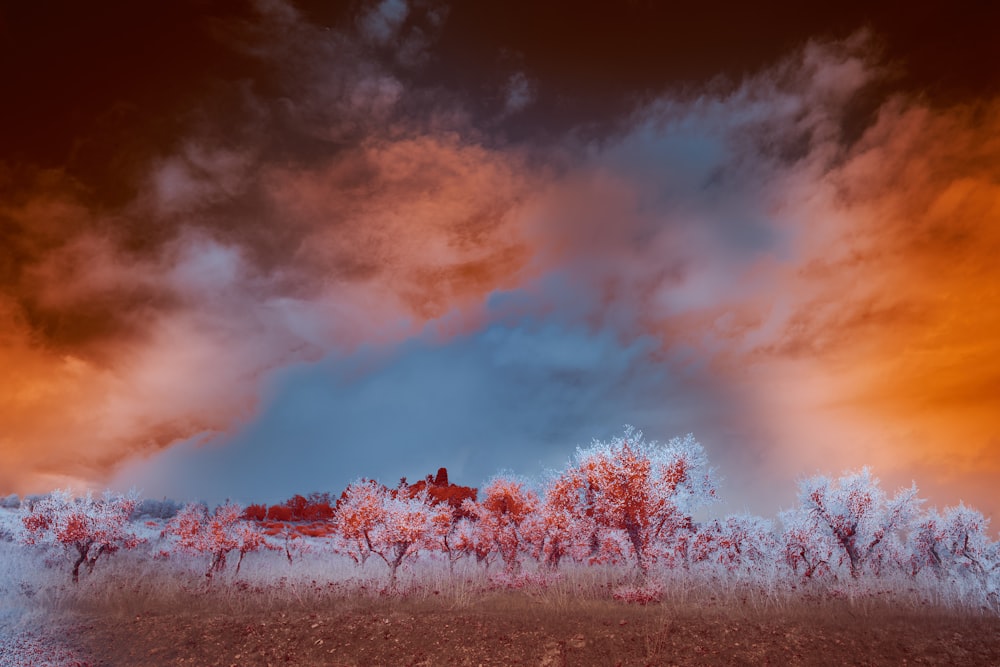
point(515, 632)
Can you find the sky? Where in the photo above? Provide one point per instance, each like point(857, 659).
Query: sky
point(250, 249)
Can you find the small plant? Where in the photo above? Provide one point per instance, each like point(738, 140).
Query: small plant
point(642, 595)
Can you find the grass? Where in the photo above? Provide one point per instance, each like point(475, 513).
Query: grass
point(131, 583)
point(138, 609)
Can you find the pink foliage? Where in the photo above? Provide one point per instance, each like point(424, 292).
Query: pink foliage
point(506, 507)
point(558, 529)
point(86, 527)
point(623, 501)
point(372, 519)
point(643, 490)
point(216, 534)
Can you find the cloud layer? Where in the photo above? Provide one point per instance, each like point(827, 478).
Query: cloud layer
point(338, 272)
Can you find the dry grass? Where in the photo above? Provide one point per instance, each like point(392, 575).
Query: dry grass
point(135, 583)
point(322, 609)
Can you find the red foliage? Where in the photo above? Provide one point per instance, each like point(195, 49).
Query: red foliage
point(255, 512)
point(315, 507)
point(439, 491)
point(279, 513)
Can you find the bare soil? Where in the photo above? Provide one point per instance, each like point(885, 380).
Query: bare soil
point(521, 634)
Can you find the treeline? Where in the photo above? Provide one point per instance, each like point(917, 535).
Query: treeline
point(627, 501)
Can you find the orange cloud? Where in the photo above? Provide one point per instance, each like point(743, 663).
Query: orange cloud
point(886, 348)
point(111, 353)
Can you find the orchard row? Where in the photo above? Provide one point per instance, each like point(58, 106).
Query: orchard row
point(626, 501)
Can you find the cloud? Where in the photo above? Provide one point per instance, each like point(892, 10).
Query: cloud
point(381, 23)
point(133, 327)
point(338, 273)
point(519, 93)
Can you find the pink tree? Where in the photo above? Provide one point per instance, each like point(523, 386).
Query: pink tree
point(646, 490)
point(86, 528)
point(372, 519)
point(464, 539)
point(216, 534)
point(862, 522)
point(558, 529)
point(505, 508)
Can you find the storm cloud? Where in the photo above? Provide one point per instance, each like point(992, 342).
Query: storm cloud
point(340, 269)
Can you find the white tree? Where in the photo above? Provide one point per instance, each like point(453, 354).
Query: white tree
point(742, 544)
point(851, 517)
point(953, 542)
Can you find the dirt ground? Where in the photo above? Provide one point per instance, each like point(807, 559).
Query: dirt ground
point(518, 635)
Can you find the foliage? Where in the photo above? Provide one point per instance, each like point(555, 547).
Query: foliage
point(87, 528)
point(216, 534)
point(645, 490)
point(505, 508)
point(440, 491)
point(372, 519)
point(852, 519)
point(624, 501)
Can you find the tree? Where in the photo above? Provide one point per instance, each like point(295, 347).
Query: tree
point(217, 534)
point(459, 539)
point(464, 538)
point(740, 543)
point(505, 507)
point(558, 528)
point(646, 490)
point(86, 528)
point(805, 543)
point(372, 519)
point(855, 513)
point(955, 542)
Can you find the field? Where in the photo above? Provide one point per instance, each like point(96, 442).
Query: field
point(324, 610)
point(512, 630)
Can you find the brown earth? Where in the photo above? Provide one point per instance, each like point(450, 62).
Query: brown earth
point(522, 634)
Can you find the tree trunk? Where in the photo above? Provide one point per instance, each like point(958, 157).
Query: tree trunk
point(79, 561)
point(636, 539)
